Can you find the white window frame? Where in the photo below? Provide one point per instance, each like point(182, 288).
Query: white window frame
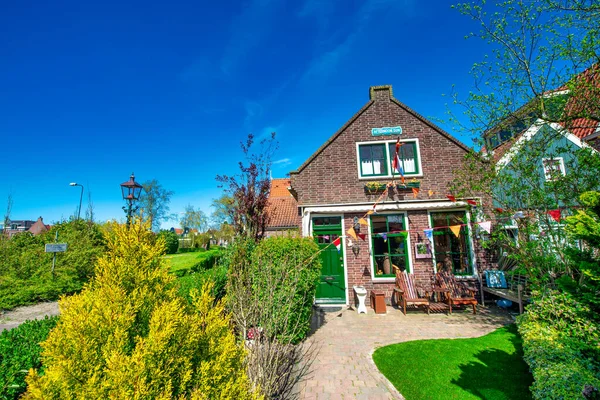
point(388, 159)
point(561, 165)
point(374, 277)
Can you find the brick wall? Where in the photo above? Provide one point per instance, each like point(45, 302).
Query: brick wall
point(332, 176)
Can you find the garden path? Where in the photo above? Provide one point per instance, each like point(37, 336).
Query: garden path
point(344, 367)
point(13, 318)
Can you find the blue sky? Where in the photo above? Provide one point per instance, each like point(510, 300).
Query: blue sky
point(91, 91)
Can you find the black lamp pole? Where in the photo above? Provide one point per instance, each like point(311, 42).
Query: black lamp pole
point(80, 197)
point(131, 192)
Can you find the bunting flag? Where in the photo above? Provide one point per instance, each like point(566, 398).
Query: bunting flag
point(486, 226)
point(429, 234)
point(351, 232)
point(456, 230)
point(326, 237)
point(472, 202)
point(415, 192)
point(363, 221)
point(370, 211)
point(362, 236)
point(498, 209)
point(519, 215)
point(430, 192)
point(384, 236)
point(555, 214)
point(338, 244)
point(451, 198)
point(402, 176)
point(396, 161)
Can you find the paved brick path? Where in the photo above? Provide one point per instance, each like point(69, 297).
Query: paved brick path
point(344, 367)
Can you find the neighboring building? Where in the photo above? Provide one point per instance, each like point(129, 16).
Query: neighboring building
point(282, 209)
point(17, 226)
point(337, 186)
point(39, 227)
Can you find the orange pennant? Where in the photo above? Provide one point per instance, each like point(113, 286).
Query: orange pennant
point(352, 233)
point(430, 192)
point(370, 212)
point(456, 230)
point(415, 192)
point(363, 221)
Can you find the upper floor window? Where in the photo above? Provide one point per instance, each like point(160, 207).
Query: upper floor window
point(553, 168)
point(376, 159)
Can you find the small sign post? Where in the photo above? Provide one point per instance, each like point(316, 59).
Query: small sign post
point(55, 248)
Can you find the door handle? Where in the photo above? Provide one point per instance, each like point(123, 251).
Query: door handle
point(329, 278)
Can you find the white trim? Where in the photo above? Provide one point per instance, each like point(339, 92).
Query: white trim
point(396, 206)
point(388, 159)
point(389, 279)
point(531, 132)
point(561, 166)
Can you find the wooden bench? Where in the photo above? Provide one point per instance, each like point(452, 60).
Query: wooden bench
point(517, 289)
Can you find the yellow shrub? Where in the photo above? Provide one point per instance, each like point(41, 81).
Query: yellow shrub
point(129, 335)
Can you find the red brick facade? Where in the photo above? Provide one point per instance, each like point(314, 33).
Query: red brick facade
point(328, 182)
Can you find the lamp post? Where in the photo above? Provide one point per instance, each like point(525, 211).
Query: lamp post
point(131, 192)
point(80, 197)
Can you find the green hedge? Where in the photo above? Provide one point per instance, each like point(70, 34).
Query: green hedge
point(205, 260)
point(19, 351)
point(560, 343)
point(195, 281)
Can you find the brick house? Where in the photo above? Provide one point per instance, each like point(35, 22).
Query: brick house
point(338, 185)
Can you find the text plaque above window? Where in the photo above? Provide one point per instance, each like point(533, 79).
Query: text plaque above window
point(386, 131)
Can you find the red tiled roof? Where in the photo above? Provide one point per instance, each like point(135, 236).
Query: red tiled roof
point(282, 206)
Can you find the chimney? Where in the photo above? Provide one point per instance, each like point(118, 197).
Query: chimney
point(378, 93)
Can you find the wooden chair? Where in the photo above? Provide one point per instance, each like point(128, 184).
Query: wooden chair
point(408, 292)
point(455, 293)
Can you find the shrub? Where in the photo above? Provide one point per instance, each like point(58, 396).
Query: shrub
point(128, 334)
point(19, 351)
point(217, 275)
point(270, 290)
point(560, 345)
point(171, 241)
point(26, 270)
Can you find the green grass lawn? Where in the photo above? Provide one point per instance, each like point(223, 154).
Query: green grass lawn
point(489, 367)
point(182, 261)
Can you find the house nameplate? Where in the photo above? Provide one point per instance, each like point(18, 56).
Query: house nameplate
point(386, 131)
point(56, 247)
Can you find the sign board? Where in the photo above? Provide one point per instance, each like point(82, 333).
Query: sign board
point(386, 131)
point(56, 247)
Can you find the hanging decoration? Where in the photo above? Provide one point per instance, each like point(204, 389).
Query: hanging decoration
point(456, 230)
point(430, 192)
point(499, 210)
point(363, 236)
point(384, 236)
point(555, 214)
point(352, 232)
point(472, 202)
point(338, 244)
point(326, 237)
point(518, 215)
point(486, 226)
point(370, 211)
point(415, 192)
point(451, 198)
point(429, 234)
point(363, 221)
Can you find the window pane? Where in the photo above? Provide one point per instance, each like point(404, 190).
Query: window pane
point(395, 223)
point(397, 245)
point(372, 159)
point(408, 158)
point(367, 167)
point(451, 253)
point(378, 224)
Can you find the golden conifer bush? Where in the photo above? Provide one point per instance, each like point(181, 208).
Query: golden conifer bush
point(129, 335)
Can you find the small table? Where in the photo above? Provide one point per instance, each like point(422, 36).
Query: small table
point(361, 293)
point(378, 302)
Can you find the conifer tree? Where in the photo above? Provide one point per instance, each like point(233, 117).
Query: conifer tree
point(129, 335)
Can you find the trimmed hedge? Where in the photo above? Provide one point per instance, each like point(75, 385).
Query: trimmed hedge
point(560, 343)
point(19, 351)
point(217, 275)
point(204, 261)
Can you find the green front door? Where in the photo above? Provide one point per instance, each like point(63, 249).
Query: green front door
point(332, 288)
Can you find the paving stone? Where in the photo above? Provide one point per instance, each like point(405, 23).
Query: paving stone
point(344, 367)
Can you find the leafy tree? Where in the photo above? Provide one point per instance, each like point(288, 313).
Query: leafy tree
point(536, 47)
point(250, 188)
point(154, 203)
point(129, 334)
point(223, 210)
point(171, 241)
point(194, 219)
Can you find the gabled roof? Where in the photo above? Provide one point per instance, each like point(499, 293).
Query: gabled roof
point(282, 207)
point(372, 101)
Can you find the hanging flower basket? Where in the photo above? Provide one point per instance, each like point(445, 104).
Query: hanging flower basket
point(413, 183)
point(375, 187)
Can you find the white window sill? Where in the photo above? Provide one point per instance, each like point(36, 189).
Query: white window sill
point(383, 280)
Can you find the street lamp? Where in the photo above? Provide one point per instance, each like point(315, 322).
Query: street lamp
point(131, 192)
point(80, 197)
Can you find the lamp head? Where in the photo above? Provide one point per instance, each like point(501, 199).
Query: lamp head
point(73, 184)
